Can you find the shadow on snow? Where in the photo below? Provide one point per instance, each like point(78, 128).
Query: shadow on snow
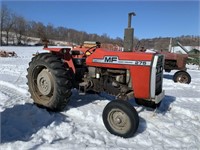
point(168, 76)
point(20, 122)
point(165, 104)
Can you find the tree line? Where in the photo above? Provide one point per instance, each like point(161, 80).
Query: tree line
point(17, 29)
point(162, 43)
point(22, 28)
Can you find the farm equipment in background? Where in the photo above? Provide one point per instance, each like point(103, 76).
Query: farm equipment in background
point(7, 54)
point(175, 61)
point(126, 75)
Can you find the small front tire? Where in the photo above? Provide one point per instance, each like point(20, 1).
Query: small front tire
point(182, 77)
point(120, 118)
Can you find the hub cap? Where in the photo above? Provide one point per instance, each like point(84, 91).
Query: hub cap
point(119, 121)
point(44, 82)
point(183, 79)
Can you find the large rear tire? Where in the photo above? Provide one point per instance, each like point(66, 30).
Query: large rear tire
point(120, 118)
point(49, 81)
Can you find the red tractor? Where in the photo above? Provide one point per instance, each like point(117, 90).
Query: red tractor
point(126, 75)
point(178, 62)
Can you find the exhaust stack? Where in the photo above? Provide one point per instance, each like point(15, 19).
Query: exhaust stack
point(128, 35)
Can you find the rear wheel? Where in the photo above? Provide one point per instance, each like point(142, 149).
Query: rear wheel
point(182, 77)
point(120, 118)
point(49, 81)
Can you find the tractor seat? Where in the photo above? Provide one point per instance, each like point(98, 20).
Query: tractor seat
point(79, 61)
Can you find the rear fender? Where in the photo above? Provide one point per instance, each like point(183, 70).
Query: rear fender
point(57, 50)
point(65, 54)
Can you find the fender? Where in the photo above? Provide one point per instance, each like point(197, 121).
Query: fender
point(65, 54)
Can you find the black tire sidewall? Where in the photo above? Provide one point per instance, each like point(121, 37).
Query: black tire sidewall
point(58, 101)
point(31, 69)
point(179, 73)
point(130, 112)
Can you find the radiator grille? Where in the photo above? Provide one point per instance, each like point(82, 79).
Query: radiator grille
point(159, 75)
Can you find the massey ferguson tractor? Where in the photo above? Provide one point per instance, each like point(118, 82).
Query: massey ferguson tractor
point(126, 75)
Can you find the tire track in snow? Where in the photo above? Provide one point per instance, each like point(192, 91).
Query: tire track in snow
point(187, 107)
point(87, 125)
point(184, 116)
point(177, 122)
point(14, 95)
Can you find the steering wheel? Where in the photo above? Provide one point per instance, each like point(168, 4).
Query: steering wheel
point(90, 50)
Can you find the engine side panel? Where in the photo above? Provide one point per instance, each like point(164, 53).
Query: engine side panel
point(138, 63)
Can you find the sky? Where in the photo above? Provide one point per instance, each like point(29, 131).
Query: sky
point(153, 18)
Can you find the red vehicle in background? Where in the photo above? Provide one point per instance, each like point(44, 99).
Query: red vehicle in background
point(175, 61)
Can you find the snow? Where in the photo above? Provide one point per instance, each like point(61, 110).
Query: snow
point(175, 125)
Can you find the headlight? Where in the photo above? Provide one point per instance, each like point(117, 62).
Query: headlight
point(87, 53)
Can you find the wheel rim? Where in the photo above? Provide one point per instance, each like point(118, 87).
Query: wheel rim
point(183, 79)
point(43, 85)
point(119, 121)
point(44, 82)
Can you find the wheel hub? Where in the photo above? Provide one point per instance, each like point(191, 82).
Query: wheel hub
point(119, 120)
point(183, 79)
point(44, 82)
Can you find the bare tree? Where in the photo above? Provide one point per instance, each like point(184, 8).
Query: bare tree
point(119, 41)
point(3, 14)
point(20, 25)
point(41, 31)
point(51, 32)
point(9, 23)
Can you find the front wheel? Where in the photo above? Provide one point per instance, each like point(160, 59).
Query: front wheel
point(120, 118)
point(182, 77)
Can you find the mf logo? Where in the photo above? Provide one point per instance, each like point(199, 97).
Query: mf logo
point(111, 59)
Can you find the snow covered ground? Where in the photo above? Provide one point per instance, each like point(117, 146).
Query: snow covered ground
point(175, 125)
